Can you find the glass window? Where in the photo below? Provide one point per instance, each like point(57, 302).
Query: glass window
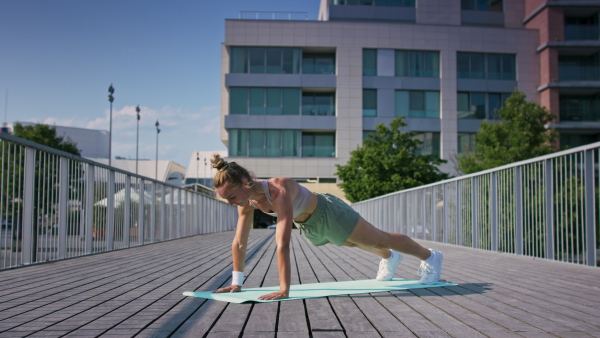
point(274, 62)
point(464, 106)
point(238, 100)
point(318, 104)
point(576, 140)
point(239, 59)
point(370, 102)
point(291, 60)
point(395, 3)
point(318, 144)
point(430, 144)
point(476, 105)
point(417, 63)
point(466, 142)
point(579, 107)
point(257, 60)
point(473, 66)
point(582, 27)
point(291, 101)
point(578, 67)
point(257, 101)
point(273, 101)
point(238, 142)
point(366, 133)
point(402, 103)
point(482, 5)
point(500, 67)
point(318, 63)
point(290, 142)
point(432, 104)
point(257, 143)
point(273, 143)
point(369, 62)
point(417, 103)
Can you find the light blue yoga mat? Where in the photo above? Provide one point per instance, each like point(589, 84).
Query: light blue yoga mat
point(317, 290)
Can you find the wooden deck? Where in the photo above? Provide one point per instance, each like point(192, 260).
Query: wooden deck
point(138, 292)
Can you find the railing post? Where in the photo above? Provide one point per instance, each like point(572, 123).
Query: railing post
point(549, 184)
point(179, 205)
point(590, 212)
point(163, 213)
point(474, 212)
point(90, 179)
point(445, 213)
point(28, 201)
point(141, 206)
point(433, 215)
point(63, 193)
point(458, 213)
point(127, 212)
point(153, 215)
point(494, 210)
point(110, 212)
point(518, 211)
point(423, 218)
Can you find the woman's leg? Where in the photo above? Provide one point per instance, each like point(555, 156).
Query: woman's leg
point(369, 238)
point(383, 253)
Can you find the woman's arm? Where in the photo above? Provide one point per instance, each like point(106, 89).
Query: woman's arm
point(282, 203)
point(240, 243)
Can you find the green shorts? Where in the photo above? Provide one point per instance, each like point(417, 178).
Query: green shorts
point(332, 221)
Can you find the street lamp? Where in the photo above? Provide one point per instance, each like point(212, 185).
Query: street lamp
point(197, 164)
point(205, 171)
point(157, 132)
point(137, 139)
point(111, 98)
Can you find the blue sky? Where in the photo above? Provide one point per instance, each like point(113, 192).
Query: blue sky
point(58, 58)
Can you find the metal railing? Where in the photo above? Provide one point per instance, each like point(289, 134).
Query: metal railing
point(56, 205)
point(258, 15)
point(545, 207)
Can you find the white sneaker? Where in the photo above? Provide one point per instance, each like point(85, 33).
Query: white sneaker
point(387, 267)
point(430, 271)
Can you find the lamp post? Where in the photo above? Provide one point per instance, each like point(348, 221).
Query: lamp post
point(111, 98)
point(157, 132)
point(137, 138)
point(197, 164)
point(205, 171)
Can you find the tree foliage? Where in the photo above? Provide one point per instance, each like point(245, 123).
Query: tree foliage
point(388, 161)
point(45, 135)
point(519, 135)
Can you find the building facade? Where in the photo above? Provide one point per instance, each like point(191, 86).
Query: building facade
point(569, 61)
point(298, 96)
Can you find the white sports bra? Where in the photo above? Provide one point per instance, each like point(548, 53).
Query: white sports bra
point(299, 204)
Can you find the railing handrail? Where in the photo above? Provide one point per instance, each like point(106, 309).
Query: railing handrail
point(500, 168)
point(54, 151)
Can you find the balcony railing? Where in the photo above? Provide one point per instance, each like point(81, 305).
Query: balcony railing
point(55, 205)
point(546, 207)
point(246, 15)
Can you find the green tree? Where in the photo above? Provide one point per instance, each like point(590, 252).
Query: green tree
point(388, 161)
point(519, 135)
point(45, 135)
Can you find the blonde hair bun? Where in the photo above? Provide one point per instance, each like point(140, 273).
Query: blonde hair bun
point(217, 161)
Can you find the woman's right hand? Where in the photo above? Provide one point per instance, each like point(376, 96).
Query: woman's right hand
point(231, 288)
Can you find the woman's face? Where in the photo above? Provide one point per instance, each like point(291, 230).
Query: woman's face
point(235, 195)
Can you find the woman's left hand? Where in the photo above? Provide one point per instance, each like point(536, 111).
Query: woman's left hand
point(274, 295)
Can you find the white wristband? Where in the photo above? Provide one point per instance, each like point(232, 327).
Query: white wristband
point(237, 278)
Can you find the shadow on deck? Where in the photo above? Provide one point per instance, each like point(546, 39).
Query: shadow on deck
point(138, 292)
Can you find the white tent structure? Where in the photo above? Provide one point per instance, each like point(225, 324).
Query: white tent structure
point(120, 198)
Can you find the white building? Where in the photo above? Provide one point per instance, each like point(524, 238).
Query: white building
point(199, 169)
point(92, 143)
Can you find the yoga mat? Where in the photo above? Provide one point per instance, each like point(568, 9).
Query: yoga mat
point(317, 290)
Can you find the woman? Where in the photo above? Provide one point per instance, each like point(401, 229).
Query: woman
point(322, 218)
